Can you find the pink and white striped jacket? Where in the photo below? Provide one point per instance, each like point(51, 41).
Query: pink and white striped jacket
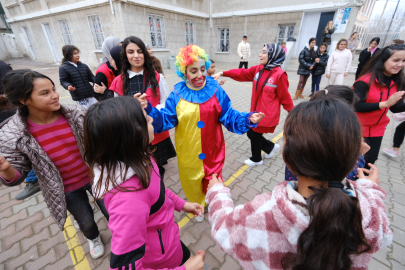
point(260, 233)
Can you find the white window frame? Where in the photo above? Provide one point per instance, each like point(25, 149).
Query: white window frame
point(93, 33)
point(219, 38)
point(284, 39)
point(192, 24)
point(67, 37)
point(155, 31)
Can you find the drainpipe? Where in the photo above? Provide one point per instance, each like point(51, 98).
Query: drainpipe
point(210, 14)
point(112, 7)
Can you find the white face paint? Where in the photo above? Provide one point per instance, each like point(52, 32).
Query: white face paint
point(196, 73)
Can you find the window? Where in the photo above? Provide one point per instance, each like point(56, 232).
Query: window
point(190, 32)
point(223, 39)
point(65, 31)
point(157, 32)
point(96, 30)
point(284, 32)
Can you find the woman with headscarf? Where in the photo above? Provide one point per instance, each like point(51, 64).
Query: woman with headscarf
point(106, 73)
point(366, 54)
point(106, 47)
point(270, 90)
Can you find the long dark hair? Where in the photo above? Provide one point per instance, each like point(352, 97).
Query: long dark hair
point(148, 65)
point(322, 141)
point(18, 85)
point(157, 65)
point(313, 53)
point(375, 66)
point(116, 132)
point(67, 52)
point(342, 92)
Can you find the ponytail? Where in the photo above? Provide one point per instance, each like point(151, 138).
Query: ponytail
point(317, 135)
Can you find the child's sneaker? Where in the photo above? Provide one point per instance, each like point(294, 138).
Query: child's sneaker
point(252, 163)
point(275, 149)
point(390, 152)
point(96, 247)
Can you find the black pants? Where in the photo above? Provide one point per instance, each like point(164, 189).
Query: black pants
point(259, 143)
point(78, 205)
point(372, 155)
point(399, 135)
point(302, 82)
point(245, 64)
point(186, 253)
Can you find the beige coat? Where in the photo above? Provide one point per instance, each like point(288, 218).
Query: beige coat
point(244, 51)
point(353, 45)
point(23, 152)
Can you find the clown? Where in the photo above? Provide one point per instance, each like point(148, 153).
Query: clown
point(196, 108)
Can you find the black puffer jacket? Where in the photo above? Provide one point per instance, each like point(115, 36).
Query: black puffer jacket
point(79, 77)
point(319, 68)
point(306, 61)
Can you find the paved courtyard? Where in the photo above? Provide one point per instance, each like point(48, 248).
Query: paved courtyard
point(31, 240)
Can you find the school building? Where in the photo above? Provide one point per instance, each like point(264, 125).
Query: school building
point(43, 27)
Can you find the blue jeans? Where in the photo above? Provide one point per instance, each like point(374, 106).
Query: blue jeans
point(31, 177)
point(316, 80)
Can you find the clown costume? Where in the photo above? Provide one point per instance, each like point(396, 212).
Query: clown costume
point(196, 108)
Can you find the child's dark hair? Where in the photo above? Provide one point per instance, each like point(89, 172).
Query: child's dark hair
point(342, 92)
point(212, 61)
point(115, 135)
point(313, 53)
point(157, 65)
point(323, 44)
point(148, 65)
point(375, 66)
point(67, 52)
point(18, 85)
point(322, 141)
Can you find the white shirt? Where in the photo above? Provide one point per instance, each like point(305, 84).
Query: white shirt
point(164, 89)
point(73, 63)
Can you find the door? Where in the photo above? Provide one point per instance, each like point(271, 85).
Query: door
point(309, 27)
point(323, 21)
point(28, 41)
point(51, 42)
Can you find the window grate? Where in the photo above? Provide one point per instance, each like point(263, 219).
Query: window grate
point(96, 30)
point(223, 39)
point(157, 31)
point(285, 32)
point(190, 32)
point(67, 37)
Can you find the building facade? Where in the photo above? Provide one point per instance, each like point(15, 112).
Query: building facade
point(43, 27)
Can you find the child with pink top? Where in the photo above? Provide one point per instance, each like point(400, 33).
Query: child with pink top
point(144, 232)
point(48, 137)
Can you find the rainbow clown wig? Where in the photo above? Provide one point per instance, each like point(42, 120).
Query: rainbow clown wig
point(188, 55)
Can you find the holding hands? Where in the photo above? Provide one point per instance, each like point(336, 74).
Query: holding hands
point(193, 208)
point(255, 118)
point(316, 60)
point(214, 180)
point(99, 89)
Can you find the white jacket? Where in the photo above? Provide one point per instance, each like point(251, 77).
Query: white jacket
point(244, 51)
point(339, 61)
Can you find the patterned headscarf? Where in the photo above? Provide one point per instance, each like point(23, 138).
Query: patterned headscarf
point(276, 56)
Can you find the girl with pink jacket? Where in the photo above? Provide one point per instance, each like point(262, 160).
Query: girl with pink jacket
point(144, 233)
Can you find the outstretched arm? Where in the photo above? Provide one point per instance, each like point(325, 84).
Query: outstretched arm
point(240, 74)
point(234, 121)
point(166, 118)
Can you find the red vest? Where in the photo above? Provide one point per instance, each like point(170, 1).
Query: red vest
point(154, 100)
point(107, 72)
point(374, 123)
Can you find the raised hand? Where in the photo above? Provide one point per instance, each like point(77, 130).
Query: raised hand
point(392, 100)
point(217, 75)
point(372, 175)
point(255, 118)
point(142, 99)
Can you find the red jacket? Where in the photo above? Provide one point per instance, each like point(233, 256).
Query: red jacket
point(374, 123)
point(154, 100)
point(267, 96)
point(107, 72)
